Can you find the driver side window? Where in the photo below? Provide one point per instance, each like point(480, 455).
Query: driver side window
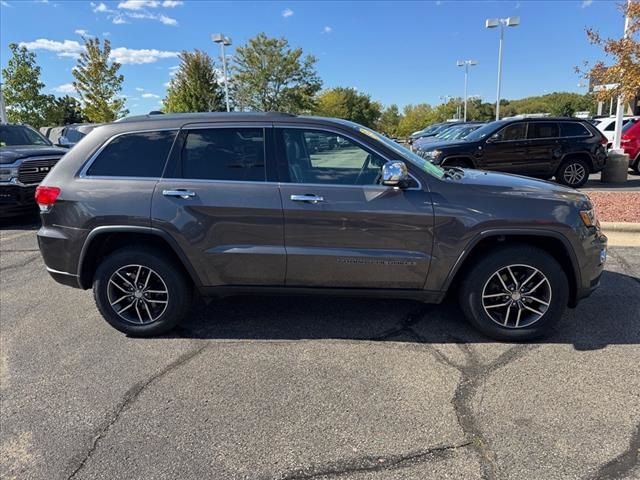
point(315, 156)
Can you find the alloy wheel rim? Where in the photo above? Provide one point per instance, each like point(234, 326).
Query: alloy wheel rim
point(574, 173)
point(516, 296)
point(137, 294)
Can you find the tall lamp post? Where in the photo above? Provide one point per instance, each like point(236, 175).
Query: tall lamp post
point(617, 137)
point(501, 22)
point(224, 41)
point(466, 64)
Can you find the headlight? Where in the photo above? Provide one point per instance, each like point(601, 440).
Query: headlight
point(589, 218)
point(6, 174)
point(432, 154)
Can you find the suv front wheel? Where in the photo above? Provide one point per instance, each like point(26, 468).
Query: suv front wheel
point(141, 292)
point(515, 293)
point(573, 173)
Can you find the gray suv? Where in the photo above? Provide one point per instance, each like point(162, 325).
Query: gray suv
point(150, 209)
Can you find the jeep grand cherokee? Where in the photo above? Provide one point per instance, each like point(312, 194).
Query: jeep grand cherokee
point(149, 209)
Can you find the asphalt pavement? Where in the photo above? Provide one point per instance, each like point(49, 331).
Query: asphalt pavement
point(313, 388)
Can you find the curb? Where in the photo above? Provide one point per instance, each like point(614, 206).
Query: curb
point(620, 227)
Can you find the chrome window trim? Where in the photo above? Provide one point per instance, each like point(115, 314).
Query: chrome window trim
point(350, 137)
point(83, 170)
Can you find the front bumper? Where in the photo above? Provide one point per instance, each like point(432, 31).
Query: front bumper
point(595, 258)
point(17, 200)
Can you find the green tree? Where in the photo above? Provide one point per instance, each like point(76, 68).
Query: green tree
point(389, 120)
point(194, 88)
point(98, 82)
point(349, 104)
point(22, 87)
point(415, 117)
point(63, 111)
point(270, 76)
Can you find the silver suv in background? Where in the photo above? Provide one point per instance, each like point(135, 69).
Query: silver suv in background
point(149, 209)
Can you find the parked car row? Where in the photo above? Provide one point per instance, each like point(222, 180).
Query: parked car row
point(568, 149)
point(68, 135)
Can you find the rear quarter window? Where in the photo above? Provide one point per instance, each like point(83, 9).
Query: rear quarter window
point(573, 129)
point(134, 155)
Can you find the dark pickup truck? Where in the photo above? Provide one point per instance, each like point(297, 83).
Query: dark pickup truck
point(25, 159)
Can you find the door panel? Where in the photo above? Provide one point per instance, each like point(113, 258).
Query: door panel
point(544, 148)
point(231, 230)
point(342, 229)
point(506, 151)
point(355, 236)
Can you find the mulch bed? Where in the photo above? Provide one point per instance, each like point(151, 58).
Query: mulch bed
point(616, 206)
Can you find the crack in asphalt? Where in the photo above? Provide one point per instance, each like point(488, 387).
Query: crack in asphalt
point(372, 463)
point(628, 270)
point(624, 463)
point(129, 398)
point(24, 263)
point(473, 373)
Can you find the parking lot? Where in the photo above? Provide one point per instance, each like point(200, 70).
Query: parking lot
point(299, 388)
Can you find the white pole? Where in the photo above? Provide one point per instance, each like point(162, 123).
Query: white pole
point(3, 110)
point(466, 80)
point(499, 71)
point(620, 108)
point(224, 73)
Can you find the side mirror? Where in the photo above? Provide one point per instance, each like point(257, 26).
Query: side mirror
point(493, 138)
point(395, 174)
point(64, 142)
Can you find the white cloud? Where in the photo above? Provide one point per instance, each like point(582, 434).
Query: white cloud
point(138, 4)
point(327, 29)
point(287, 12)
point(65, 88)
point(4, 3)
point(66, 48)
point(100, 7)
point(166, 84)
point(172, 3)
point(586, 3)
point(132, 56)
point(138, 89)
point(150, 95)
point(119, 20)
point(82, 32)
point(168, 20)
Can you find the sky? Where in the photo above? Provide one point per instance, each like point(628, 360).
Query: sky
point(397, 52)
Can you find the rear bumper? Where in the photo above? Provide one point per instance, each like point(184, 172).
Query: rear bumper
point(65, 278)
point(17, 200)
point(60, 247)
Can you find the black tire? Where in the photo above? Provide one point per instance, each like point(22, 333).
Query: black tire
point(636, 166)
point(178, 297)
point(478, 278)
point(564, 176)
point(457, 162)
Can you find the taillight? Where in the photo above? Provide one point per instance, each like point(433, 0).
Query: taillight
point(46, 197)
point(604, 140)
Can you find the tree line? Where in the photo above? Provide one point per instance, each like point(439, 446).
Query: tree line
point(266, 74)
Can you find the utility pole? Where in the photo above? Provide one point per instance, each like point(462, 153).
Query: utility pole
point(620, 107)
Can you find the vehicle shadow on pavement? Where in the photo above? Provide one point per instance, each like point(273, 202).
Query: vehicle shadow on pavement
point(610, 316)
point(25, 222)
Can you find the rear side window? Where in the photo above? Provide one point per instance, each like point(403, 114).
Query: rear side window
point(134, 155)
point(224, 154)
point(573, 129)
point(543, 130)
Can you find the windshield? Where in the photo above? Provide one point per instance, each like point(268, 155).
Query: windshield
point(448, 132)
point(13, 135)
point(629, 124)
point(485, 130)
point(403, 152)
point(463, 132)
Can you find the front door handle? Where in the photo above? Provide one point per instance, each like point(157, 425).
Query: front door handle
point(307, 198)
point(179, 193)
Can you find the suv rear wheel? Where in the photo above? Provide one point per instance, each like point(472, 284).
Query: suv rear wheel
point(141, 292)
point(573, 173)
point(515, 293)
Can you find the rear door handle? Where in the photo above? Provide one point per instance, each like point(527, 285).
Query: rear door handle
point(307, 198)
point(179, 193)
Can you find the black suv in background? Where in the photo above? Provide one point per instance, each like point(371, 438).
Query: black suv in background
point(148, 209)
point(569, 149)
point(26, 157)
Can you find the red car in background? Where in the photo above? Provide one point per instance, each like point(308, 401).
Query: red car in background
point(630, 142)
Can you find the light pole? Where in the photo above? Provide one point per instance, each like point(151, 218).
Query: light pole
point(224, 41)
point(466, 64)
point(617, 137)
point(501, 22)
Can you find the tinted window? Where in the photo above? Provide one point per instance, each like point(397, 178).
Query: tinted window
point(224, 154)
point(573, 129)
point(134, 155)
point(20, 135)
point(324, 157)
point(517, 131)
point(611, 127)
point(543, 130)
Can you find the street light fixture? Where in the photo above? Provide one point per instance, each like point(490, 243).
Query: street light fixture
point(466, 64)
point(494, 23)
point(224, 41)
